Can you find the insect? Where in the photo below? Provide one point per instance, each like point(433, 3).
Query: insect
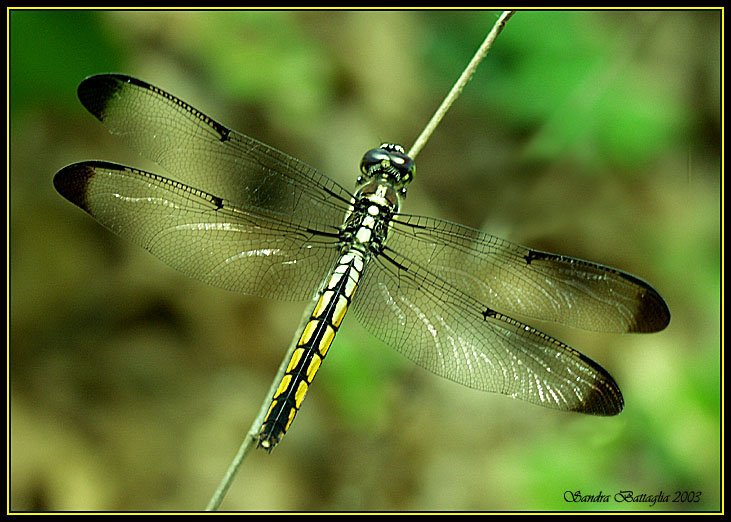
point(243, 216)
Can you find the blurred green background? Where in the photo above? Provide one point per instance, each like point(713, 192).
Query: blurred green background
point(592, 134)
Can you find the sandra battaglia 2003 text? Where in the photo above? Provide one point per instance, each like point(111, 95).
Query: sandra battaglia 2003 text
point(630, 496)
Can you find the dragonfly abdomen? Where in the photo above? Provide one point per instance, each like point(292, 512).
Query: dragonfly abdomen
point(312, 347)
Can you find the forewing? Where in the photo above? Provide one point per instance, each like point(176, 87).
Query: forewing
point(202, 153)
point(254, 251)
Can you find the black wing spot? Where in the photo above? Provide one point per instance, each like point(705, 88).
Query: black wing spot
point(532, 255)
point(217, 202)
point(223, 131)
point(488, 312)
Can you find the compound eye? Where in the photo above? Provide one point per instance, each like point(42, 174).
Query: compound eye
point(373, 157)
point(406, 167)
point(389, 159)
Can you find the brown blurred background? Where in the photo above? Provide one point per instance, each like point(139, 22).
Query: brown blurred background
point(592, 134)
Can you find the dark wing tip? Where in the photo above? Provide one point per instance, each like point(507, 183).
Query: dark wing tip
point(96, 91)
point(605, 400)
point(604, 397)
point(72, 182)
point(652, 314)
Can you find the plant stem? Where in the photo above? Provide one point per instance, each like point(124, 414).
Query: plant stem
point(460, 84)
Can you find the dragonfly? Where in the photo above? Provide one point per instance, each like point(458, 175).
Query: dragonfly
point(243, 216)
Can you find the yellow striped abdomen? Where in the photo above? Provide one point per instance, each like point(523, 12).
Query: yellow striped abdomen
point(312, 347)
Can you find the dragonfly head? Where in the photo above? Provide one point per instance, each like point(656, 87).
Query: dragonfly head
point(388, 164)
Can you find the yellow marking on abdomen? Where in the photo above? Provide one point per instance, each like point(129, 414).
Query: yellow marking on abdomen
point(274, 402)
point(294, 361)
point(283, 385)
point(326, 341)
point(292, 413)
point(299, 395)
point(339, 312)
point(307, 333)
point(313, 367)
point(322, 304)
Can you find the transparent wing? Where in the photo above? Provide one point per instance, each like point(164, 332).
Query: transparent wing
point(249, 250)
point(202, 153)
point(516, 280)
point(453, 335)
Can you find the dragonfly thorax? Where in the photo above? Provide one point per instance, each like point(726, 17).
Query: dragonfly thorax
point(366, 226)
